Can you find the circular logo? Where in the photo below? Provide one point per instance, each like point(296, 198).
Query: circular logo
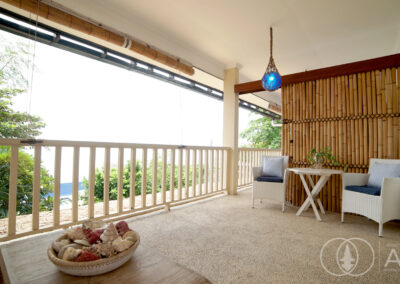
point(340, 256)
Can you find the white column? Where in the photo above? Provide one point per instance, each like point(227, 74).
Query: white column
point(231, 124)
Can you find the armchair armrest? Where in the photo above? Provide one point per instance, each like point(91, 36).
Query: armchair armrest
point(285, 177)
point(390, 198)
point(257, 172)
point(354, 179)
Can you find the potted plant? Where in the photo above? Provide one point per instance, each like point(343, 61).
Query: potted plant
point(318, 158)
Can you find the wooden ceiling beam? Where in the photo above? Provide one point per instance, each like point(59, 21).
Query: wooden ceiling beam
point(324, 73)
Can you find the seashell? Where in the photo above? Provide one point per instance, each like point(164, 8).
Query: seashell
point(91, 249)
point(76, 233)
point(92, 236)
point(64, 248)
point(84, 243)
point(104, 249)
point(87, 256)
point(71, 253)
point(58, 245)
point(120, 245)
point(131, 236)
point(109, 234)
point(122, 227)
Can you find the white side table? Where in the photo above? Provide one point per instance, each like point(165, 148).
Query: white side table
point(324, 174)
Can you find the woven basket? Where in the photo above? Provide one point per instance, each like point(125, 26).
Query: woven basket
point(91, 268)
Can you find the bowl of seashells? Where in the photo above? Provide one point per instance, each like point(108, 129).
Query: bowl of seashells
point(93, 248)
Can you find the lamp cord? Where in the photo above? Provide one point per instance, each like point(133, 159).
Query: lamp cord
point(270, 41)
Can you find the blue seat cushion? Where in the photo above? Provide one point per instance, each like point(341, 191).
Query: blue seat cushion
point(366, 189)
point(269, 179)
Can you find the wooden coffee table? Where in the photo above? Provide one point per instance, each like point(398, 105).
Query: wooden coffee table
point(25, 261)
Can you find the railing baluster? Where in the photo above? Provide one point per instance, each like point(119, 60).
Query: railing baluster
point(144, 177)
point(36, 188)
point(164, 176)
point(75, 184)
point(92, 164)
point(222, 168)
point(106, 193)
point(57, 182)
point(120, 196)
point(217, 171)
point(194, 193)
point(12, 193)
point(212, 172)
point(172, 176)
point(154, 182)
point(180, 174)
point(187, 167)
point(132, 181)
point(200, 171)
point(206, 173)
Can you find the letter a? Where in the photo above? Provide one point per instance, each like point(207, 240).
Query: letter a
point(390, 258)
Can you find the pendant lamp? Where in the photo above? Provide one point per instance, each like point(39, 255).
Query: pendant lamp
point(271, 80)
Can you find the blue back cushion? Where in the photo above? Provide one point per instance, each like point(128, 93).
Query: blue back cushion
point(273, 166)
point(382, 170)
point(365, 189)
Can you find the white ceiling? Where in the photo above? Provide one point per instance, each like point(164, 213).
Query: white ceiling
point(216, 34)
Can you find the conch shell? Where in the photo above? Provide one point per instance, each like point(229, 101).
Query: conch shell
point(104, 249)
point(131, 236)
point(76, 234)
point(71, 253)
point(64, 248)
point(58, 245)
point(109, 234)
point(120, 245)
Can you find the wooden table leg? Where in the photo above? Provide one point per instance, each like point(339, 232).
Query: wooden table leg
point(310, 198)
point(321, 207)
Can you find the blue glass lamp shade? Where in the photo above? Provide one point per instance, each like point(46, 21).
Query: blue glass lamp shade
point(271, 81)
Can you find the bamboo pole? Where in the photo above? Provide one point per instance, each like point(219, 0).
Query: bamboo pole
point(98, 31)
point(389, 109)
point(379, 109)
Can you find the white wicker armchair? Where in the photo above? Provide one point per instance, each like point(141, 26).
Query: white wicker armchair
point(270, 190)
point(380, 208)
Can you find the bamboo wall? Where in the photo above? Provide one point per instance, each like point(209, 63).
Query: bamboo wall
point(357, 115)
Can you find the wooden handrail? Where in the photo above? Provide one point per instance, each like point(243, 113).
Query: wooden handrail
point(202, 169)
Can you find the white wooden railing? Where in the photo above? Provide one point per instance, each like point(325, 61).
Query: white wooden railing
point(208, 166)
point(249, 158)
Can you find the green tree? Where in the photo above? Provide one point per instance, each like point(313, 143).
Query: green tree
point(14, 61)
point(262, 134)
point(113, 189)
point(24, 185)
